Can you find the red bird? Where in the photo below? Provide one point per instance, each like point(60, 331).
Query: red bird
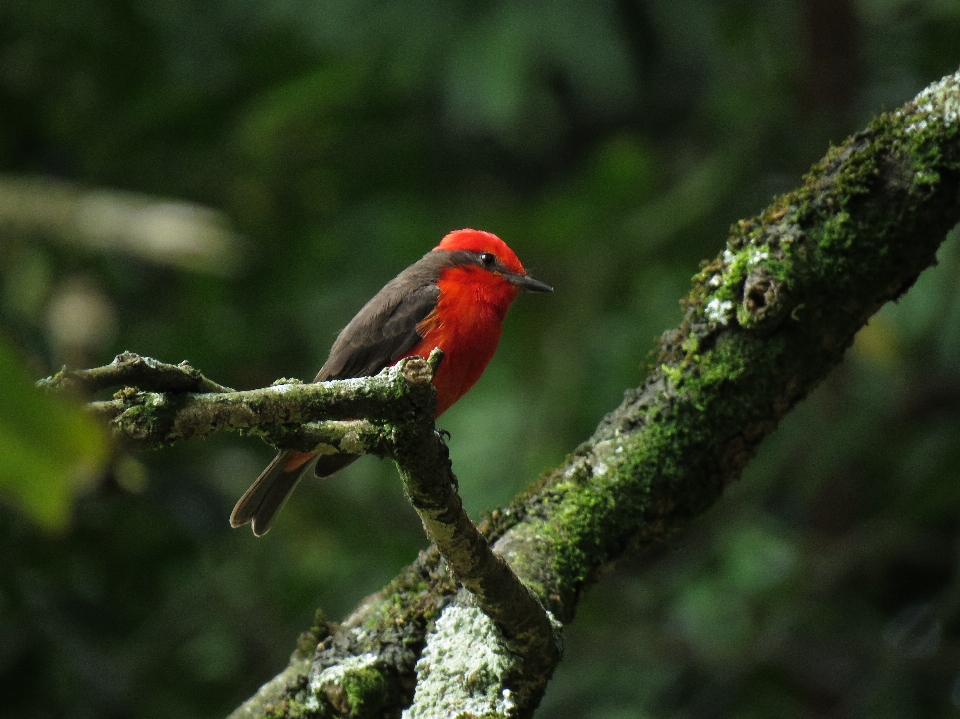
point(455, 298)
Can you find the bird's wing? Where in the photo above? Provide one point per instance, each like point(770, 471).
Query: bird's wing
point(385, 329)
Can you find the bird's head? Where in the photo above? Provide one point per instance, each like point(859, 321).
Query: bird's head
point(490, 253)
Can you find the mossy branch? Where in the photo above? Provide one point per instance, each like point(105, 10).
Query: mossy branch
point(131, 369)
point(175, 402)
point(171, 403)
point(513, 607)
point(764, 323)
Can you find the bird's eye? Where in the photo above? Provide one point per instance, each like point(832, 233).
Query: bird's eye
point(488, 259)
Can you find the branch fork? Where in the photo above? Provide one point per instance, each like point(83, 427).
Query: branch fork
point(162, 403)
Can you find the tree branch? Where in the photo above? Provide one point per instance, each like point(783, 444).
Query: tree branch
point(129, 368)
point(177, 403)
point(516, 611)
point(399, 404)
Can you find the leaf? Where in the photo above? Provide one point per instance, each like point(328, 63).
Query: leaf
point(50, 449)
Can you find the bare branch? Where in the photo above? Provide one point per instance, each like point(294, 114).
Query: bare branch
point(131, 369)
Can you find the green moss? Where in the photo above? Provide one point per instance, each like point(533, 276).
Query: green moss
point(674, 374)
point(138, 421)
point(648, 476)
point(366, 691)
point(289, 709)
point(307, 641)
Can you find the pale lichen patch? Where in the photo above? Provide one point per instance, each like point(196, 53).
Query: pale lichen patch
point(719, 311)
point(334, 676)
point(939, 102)
point(757, 257)
point(463, 669)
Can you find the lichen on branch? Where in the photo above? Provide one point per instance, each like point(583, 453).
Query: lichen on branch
point(170, 403)
point(175, 402)
point(129, 368)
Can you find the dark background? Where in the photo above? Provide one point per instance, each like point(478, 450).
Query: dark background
point(228, 182)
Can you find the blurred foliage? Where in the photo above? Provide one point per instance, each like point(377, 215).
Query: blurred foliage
point(51, 447)
point(611, 144)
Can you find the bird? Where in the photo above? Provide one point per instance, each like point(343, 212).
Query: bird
point(454, 298)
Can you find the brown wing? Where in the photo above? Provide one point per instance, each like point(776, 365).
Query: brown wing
point(386, 328)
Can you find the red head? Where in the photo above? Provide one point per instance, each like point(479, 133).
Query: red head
point(492, 255)
point(482, 242)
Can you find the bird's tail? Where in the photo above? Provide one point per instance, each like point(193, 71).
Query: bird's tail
point(267, 495)
point(260, 504)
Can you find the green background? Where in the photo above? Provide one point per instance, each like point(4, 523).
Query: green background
point(324, 146)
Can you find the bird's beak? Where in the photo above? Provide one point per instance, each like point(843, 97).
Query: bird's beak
point(528, 284)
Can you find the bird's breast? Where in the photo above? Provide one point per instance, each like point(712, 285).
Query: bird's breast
point(466, 326)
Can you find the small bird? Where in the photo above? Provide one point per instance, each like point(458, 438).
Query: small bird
point(455, 298)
